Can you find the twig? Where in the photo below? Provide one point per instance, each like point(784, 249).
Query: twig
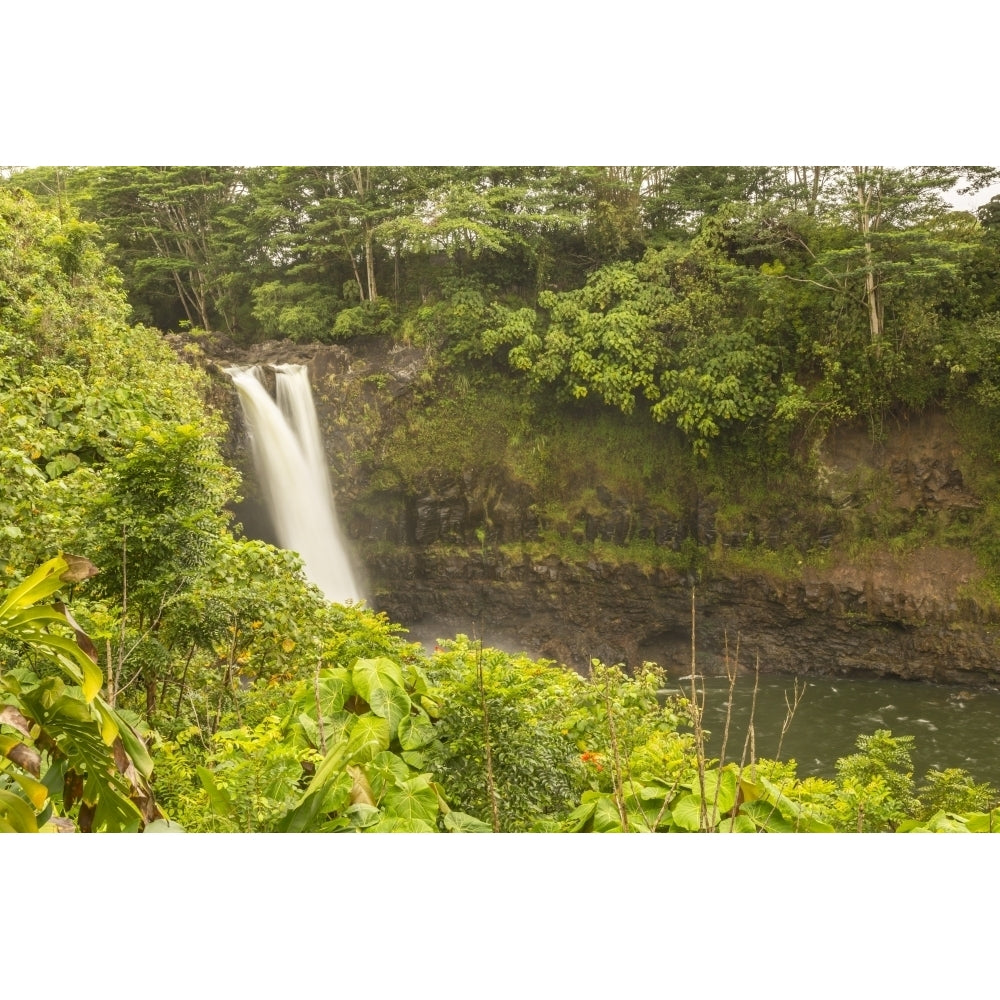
point(319, 710)
point(616, 757)
point(797, 697)
point(696, 715)
point(732, 668)
point(112, 693)
point(490, 784)
point(750, 743)
point(180, 694)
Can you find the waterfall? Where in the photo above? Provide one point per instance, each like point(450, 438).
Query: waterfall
point(291, 465)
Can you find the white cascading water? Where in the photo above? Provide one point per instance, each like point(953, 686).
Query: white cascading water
point(291, 465)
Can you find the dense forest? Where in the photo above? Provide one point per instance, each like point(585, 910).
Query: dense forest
point(162, 670)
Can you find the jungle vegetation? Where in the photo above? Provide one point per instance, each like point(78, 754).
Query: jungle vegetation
point(159, 670)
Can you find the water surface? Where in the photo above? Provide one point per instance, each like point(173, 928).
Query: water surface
point(952, 727)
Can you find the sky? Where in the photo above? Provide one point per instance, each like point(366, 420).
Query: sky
point(445, 82)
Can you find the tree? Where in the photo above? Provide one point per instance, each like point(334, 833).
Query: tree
point(680, 329)
point(156, 523)
point(169, 229)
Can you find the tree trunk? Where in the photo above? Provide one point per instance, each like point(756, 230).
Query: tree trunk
point(869, 220)
point(370, 266)
point(149, 682)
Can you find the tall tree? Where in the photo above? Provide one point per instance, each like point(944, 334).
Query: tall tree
point(166, 224)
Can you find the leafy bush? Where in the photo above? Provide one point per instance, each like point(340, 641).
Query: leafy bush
point(875, 790)
point(505, 749)
point(369, 319)
point(300, 311)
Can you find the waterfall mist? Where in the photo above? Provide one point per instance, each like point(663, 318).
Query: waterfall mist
point(291, 466)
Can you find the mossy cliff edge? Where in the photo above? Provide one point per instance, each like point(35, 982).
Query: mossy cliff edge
point(473, 509)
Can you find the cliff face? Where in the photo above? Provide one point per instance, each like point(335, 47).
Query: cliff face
point(436, 553)
point(852, 621)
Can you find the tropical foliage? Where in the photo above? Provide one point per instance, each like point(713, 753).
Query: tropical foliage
point(200, 682)
point(70, 760)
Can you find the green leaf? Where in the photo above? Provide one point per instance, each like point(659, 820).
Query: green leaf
point(458, 822)
point(108, 722)
point(72, 724)
point(44, 582)
point(303, 817)
point(334, 689)
point(379, 674)
point(37, 793)
point(134, 746)
point(329, 789)
point(580, 816)
point(401, 824)
point(163, 826)
point(391, 704)
point(983, 822)
point(220, 798)
point(413, 800)
point(385, 770)
point(330, 765)
point(686, 812)
point(940, 822)
point(362, 815)
point(736, 824)
point(369, 735)
point(415, 731)
point(15, 814)
point(334, 727)
point(606, 818)
point(74, 662)
point(724, 783)
point(795, 813)
point(766, 817)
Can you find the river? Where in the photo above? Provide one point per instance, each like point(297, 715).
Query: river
point(952, 727)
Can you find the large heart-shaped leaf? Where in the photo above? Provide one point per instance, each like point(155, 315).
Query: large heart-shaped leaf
point(687, 812)
point(401, 824)
point(720, 789)
point(766, 817)
point(378, 674)
point(392, 704)
point(335, 688)
point(416, 731)
point(369, 735)
point(736, 824)
point(580, 817)
point(362, 815)
point(385, 770)
point(414, 799)
point(458, 822)
point(606, 816)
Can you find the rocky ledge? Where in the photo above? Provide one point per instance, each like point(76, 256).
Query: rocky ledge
point(431, 564)
point(844, 621)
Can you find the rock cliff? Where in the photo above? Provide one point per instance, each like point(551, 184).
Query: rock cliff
point(447, 553)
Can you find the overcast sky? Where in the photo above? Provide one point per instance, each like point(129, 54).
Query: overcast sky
point(443, 82)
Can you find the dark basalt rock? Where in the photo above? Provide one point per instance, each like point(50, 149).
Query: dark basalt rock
point(431, 556)
point(617, 614)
